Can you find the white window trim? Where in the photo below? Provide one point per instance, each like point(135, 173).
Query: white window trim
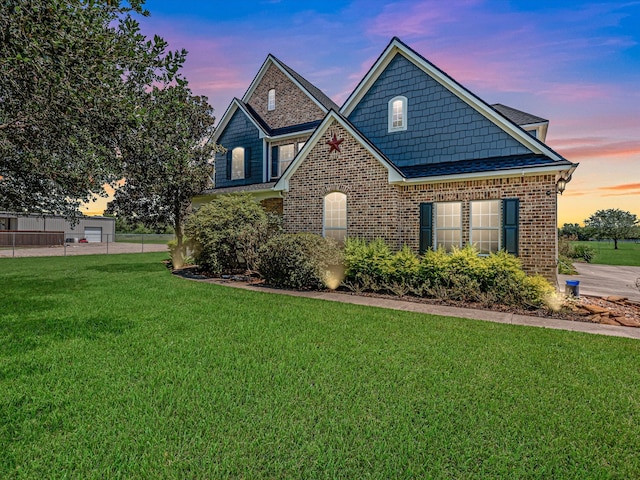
point(498, 228)
point(404, 114)
point(324, 215)
point(271, 99)
point(436, 229)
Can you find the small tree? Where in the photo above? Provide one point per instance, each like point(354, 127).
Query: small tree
point(612, 223)
point(167, 160)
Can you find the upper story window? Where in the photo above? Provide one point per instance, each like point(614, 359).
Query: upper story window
point(398, 114)
point(286, 154)
point(237, 163)
point(271, 100)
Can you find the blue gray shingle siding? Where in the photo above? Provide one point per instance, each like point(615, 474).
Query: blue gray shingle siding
point(477, 166)
point(440, 126)
point(240, 132)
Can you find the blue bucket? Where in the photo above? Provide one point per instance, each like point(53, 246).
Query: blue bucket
point(572, 288)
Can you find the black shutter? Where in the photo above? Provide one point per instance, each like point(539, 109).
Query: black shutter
point(247, 162)
point(229, 156)
point(426, 226)
point(510, 225)
point(274, 162)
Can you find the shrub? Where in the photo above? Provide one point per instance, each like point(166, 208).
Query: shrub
point(303, 261)
point(461, 275)
point(565, 265)
point(579, 252)
point(367, 264)
point(180, 258)
point(225, 234)
point(584, 252)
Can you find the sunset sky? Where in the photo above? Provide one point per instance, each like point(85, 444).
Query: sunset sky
point(576, 63)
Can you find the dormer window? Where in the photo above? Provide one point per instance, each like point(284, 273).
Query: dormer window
point(398, 114)
point(271, 100)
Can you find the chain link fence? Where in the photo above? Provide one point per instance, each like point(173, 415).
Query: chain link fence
point(36, 244)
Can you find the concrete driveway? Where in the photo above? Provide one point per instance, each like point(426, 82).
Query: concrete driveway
point(605, 280)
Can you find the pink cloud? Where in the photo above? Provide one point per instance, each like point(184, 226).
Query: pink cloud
point(597, 147)
point(622, 190)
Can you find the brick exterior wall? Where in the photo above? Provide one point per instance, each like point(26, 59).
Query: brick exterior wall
point(293, 106)
point(376, 209)
point(538, 220)
point(372, 204)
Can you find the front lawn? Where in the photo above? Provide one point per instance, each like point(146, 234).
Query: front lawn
point(112, 367)
point(628, 253)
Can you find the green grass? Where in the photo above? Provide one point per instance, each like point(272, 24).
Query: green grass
point(112, 367)
point(628, 253)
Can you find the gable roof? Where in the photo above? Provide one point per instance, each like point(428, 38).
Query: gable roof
point(518, 116)
point(395, 47)
point(236, 105)
point(313, 92)
point(394, 173)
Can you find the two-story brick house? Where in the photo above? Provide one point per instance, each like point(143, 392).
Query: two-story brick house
point(412, 157)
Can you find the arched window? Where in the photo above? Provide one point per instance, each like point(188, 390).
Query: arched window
point(271, 100)
point(237, 163)
point(335, 216)
point(397, 114)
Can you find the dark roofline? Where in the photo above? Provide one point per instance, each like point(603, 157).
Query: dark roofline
point(518, 117)
point(314, 91)
point(482, 165)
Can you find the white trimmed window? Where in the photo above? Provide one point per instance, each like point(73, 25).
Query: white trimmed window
point(448, 225)
point(398, 114)
point(237, 163)
point(485, 226)
point(334, 223)
point(271, 100)
point(285, 156)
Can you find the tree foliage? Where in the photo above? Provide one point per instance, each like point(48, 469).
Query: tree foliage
point(70, 74)
point(575, 231)
point(612, 223)
point(167, 158)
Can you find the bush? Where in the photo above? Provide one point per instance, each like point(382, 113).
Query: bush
point(461, 275)
point(577, 252)
point(303, 261)
point(584, 252)
point(225, 234)
point(367, 264)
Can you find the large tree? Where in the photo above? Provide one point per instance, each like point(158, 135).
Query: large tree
point(612, 223)
point(168, 159)
point(70, 75)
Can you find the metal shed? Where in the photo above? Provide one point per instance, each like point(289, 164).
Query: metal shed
point(93, 229)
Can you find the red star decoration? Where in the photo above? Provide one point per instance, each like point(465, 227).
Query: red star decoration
point(335, 143)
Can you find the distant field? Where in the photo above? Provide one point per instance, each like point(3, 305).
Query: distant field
point(628, 253)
